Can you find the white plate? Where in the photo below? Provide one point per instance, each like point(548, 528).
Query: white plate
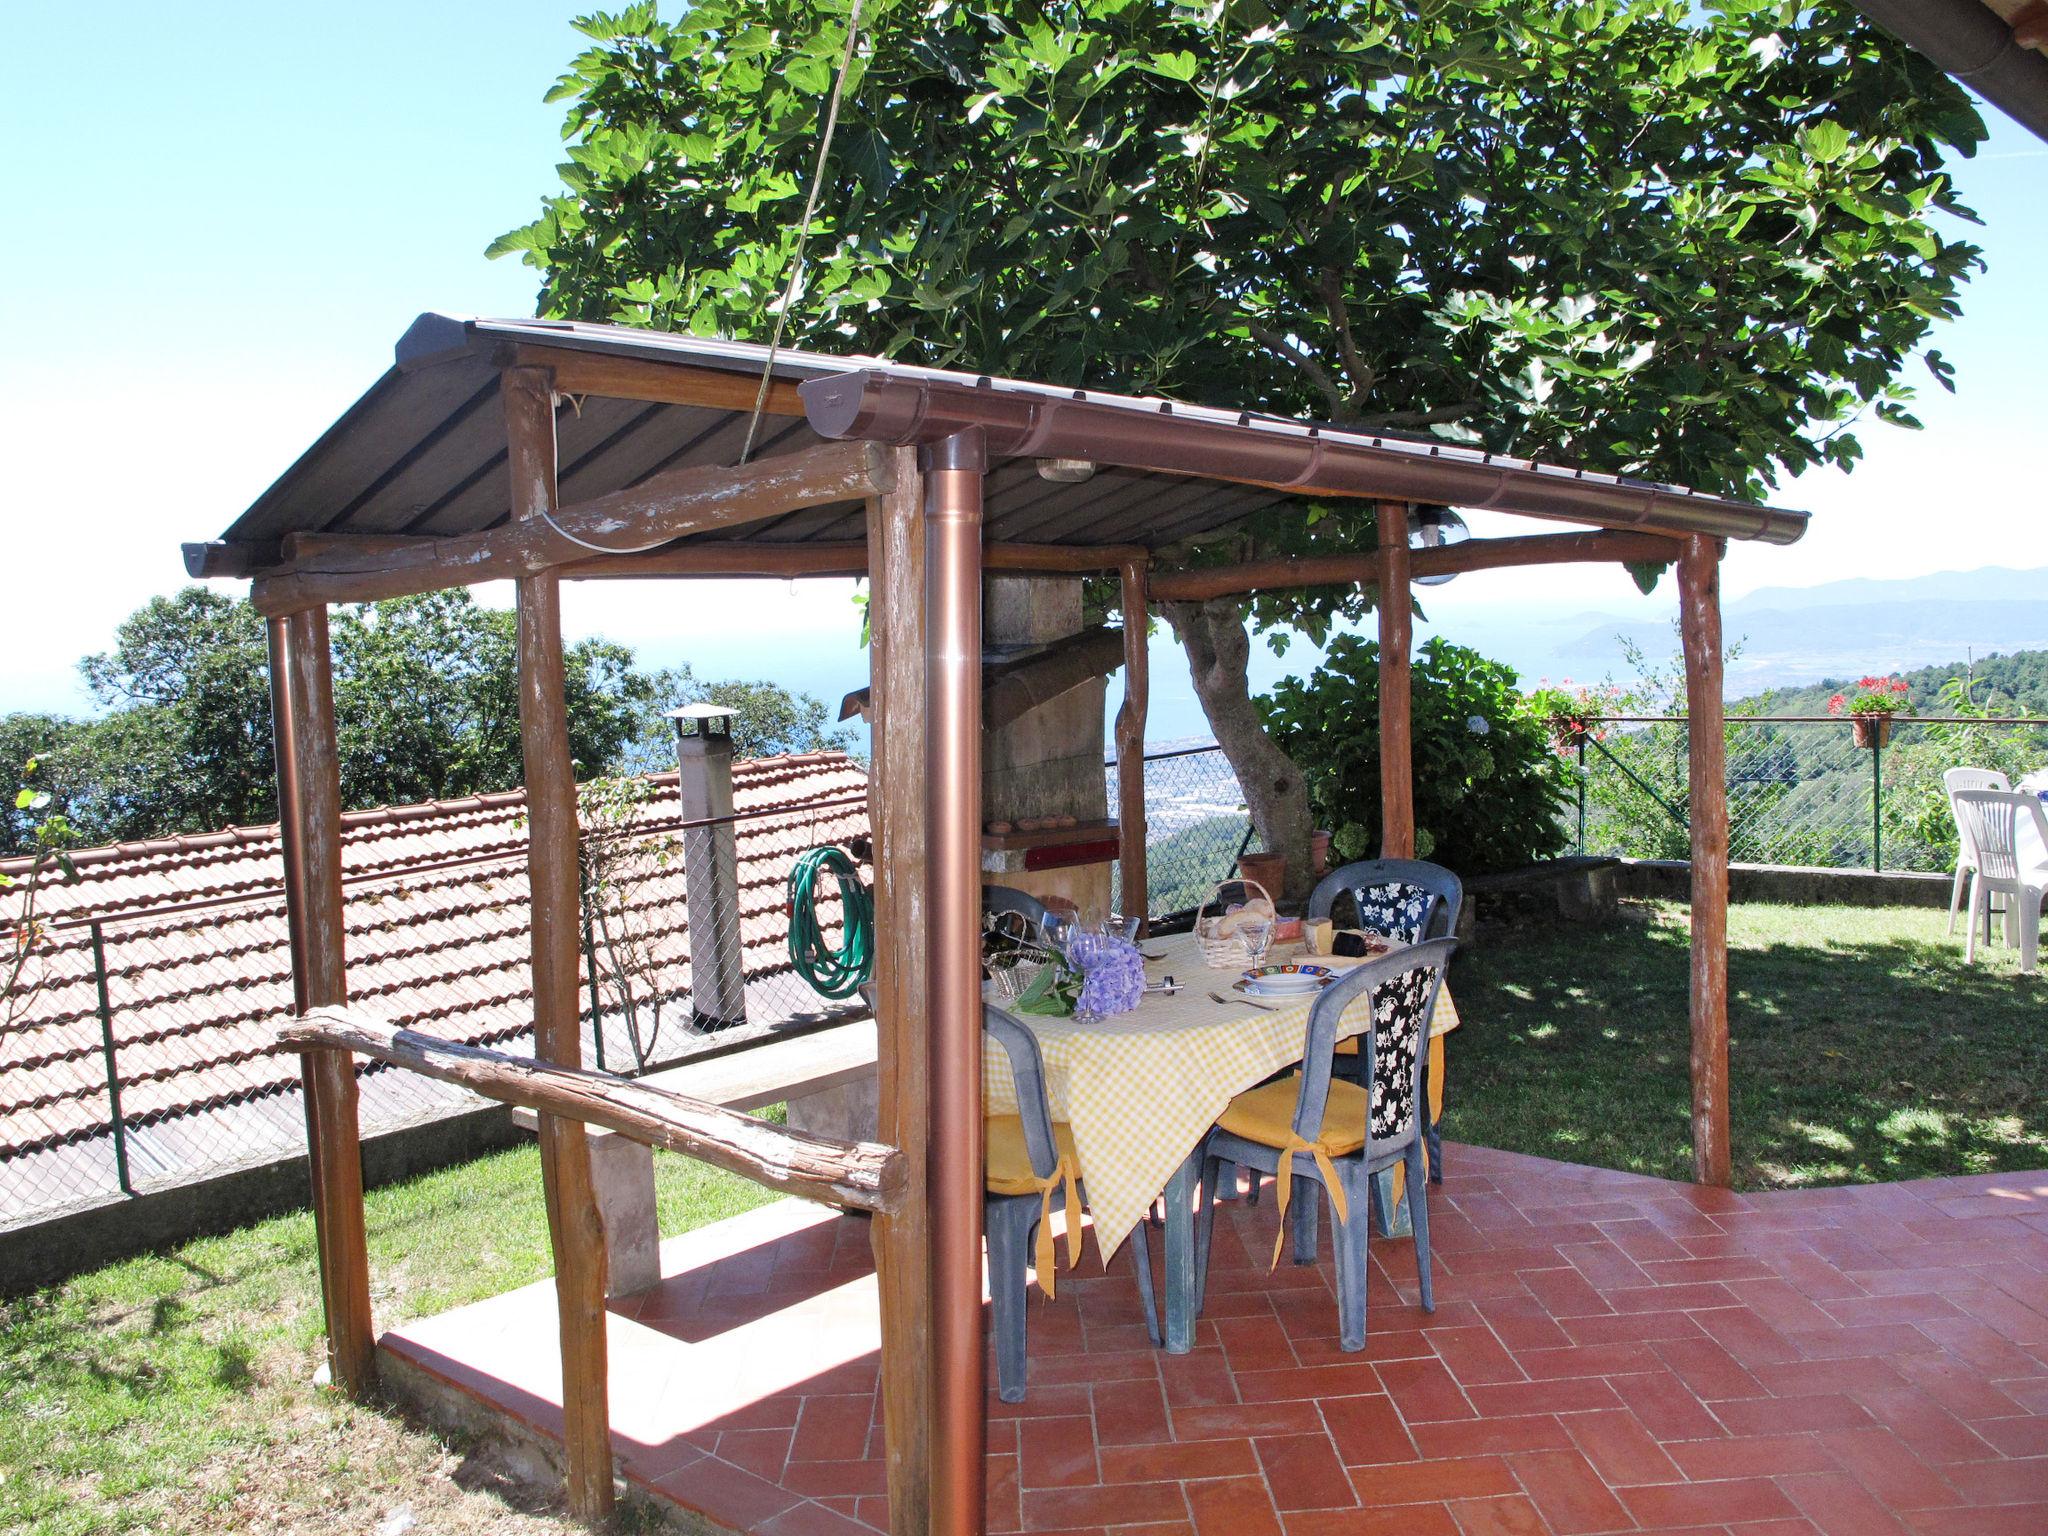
point(1303, 986)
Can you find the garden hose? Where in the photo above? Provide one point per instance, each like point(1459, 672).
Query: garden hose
point(832, 972)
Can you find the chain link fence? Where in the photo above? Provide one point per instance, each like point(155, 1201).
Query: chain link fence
point(140, 1055)
point(1196, 825)
point(1801, 790)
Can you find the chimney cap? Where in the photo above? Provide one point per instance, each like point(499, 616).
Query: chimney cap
point(702, 718)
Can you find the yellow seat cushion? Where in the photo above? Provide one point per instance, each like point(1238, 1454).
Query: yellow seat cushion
point(1266, 1115)
point(1007, 1161)
point(1348, 1046)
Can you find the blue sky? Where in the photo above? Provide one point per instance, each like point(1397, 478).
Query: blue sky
point(226, 215)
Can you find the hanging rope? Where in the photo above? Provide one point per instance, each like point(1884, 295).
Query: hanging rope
point(832, 972)
point(803, 229)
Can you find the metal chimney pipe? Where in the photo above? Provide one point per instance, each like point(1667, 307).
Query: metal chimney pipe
point(711, 881)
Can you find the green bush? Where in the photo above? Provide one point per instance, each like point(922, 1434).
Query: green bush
point(1489, 785)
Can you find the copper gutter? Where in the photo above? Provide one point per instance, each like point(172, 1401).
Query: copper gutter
point(953, 469)
point(1161, 436)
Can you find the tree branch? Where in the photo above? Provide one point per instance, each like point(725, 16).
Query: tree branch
point(1438, 413)
point(1318, 375)
point(1363, 374)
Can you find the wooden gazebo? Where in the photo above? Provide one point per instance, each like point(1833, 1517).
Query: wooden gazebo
point(541, 451)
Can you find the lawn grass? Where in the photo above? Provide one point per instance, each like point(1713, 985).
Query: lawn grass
point(175, 1392)
point(1860, 1047)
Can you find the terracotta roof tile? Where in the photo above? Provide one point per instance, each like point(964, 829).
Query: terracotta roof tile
point(198, 968)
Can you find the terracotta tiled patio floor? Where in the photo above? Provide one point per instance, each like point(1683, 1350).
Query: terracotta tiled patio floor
point(1609, 1353)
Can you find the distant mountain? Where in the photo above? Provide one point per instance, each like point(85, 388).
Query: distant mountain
point(1796, 635)
point(1990, 584)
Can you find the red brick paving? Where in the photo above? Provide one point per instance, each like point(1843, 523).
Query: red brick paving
point(1609, 1353)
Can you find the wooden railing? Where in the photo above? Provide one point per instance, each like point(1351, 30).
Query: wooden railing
point(851, 1175)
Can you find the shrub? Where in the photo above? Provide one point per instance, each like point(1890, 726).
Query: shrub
point(1489, 785)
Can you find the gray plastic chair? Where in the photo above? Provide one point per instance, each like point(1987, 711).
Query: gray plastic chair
point(998, 899)
point(1441, 923)
point(1402, 988)
point(1011, 1221)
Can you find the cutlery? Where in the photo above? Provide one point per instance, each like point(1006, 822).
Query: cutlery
point(1239, 1002)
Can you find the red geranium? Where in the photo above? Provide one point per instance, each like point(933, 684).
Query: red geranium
point(1873, 696)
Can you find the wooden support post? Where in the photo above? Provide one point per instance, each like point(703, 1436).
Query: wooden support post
point(895, 531)
point(1699, 606)
point(1397, 635)
point(953, 469)
point(1130, 745)
point(574, 1224)
point(309, 823)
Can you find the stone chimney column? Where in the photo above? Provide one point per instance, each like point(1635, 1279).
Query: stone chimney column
point(718, 980)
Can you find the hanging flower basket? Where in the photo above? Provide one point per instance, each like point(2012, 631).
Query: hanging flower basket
point(1870, 708)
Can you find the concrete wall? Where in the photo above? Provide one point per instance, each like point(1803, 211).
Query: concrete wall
point(1670, 879)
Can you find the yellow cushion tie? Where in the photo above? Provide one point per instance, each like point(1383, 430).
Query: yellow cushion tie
point(1065, 1172)
point(1284, 1181)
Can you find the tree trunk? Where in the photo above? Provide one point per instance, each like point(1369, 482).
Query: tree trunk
point(1218, 647)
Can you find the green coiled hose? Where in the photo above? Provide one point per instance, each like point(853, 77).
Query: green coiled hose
point(832, 972)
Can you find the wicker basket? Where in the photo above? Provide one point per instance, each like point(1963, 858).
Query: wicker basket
point(1228, 951)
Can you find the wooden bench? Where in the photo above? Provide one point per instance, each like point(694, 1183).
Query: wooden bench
point(825, 1078)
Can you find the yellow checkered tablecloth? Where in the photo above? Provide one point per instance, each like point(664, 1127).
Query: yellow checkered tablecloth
point(1141, 1089)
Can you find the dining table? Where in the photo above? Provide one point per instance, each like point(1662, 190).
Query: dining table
point(1140, 1090)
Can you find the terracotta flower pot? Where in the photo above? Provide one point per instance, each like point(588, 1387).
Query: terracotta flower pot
point(1269, 869)
point(1872, 730)
point(1319, 851)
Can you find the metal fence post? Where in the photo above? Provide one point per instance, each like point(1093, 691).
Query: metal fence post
point(1582, 792)
point(119, 1121)
point(596, 997)
point(1877, 805)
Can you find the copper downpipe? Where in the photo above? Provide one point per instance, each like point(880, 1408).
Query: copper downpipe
point(953, 469)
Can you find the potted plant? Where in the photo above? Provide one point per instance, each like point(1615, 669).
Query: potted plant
point(1870, 706)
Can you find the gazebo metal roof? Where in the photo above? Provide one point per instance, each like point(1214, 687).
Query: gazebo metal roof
point(422, 453)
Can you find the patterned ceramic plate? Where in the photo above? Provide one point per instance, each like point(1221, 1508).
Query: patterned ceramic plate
point(1292, 980)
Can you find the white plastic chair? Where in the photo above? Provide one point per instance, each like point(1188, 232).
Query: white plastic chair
point(1994, 817)
point(1953, 780)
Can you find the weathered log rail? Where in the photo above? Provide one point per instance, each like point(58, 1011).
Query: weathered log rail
point(851, 1175)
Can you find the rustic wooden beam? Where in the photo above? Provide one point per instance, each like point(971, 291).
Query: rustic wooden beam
point(726, 559)
point(1130, 743)
point(1397, 636)
point(1699, 611)
point(691, 499)
point(953, 470)
point(640, 378)
point(713, 558)
point(1012, 689)
point(838, 557)
point(1015, 688)
point(895, 535)
point(575, 1225)
point(1361, 568)
point(220, 557)
point(1068, 559)
point(851, 1175)
point(309, 817)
